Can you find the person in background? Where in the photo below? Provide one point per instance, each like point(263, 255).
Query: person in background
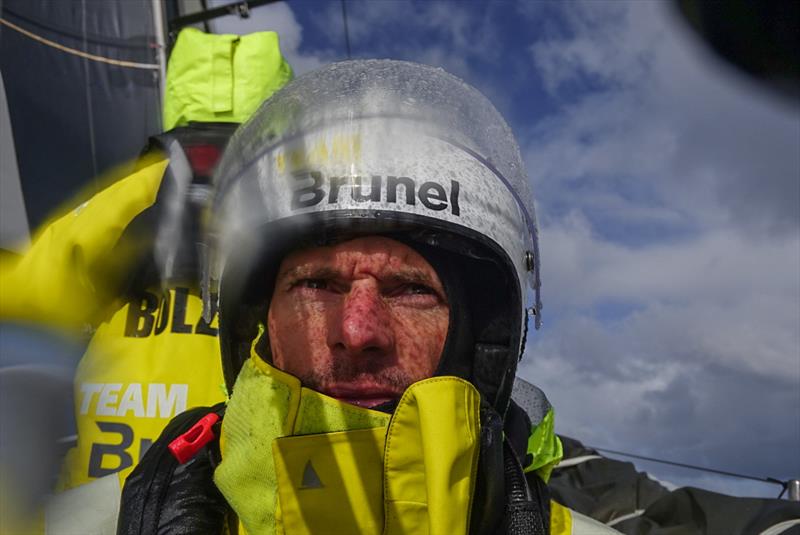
point(124, 264)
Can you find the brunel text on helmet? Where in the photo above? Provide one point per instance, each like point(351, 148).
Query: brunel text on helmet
point(312, 187)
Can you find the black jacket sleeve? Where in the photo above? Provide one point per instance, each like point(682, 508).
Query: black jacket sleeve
point(162, 496)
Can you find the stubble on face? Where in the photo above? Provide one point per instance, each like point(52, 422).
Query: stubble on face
point(359, 320)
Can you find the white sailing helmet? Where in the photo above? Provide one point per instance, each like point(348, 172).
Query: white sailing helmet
point(392, 148)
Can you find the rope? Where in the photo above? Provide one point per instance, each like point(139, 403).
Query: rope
point(695, 467)
point(86, 55)
point(784, 484)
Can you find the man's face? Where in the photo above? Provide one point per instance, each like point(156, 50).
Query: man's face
point(359, 321)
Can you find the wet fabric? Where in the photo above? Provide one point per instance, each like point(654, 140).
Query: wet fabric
point(351, 471)
point(152, 502)
point(263, 407)
point(294, 460)
point(163, 496)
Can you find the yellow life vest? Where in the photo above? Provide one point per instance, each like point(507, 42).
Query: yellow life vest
point(153, 359)
point(295, 461)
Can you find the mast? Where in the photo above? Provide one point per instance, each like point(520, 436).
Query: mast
point(160, 33)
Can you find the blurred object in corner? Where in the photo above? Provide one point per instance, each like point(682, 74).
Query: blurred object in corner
point(761, 38)
point(36, 421)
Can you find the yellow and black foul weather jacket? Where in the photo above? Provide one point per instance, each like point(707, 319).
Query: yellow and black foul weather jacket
point(283, 459)
point(150, 355)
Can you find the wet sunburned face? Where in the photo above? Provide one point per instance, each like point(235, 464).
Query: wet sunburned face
point(359, 321)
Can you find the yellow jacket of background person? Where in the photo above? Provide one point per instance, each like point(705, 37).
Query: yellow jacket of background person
point(149, 358)
point(151, 355)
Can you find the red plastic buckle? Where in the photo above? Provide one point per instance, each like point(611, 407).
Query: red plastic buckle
point(188, 444)
point(202, 158)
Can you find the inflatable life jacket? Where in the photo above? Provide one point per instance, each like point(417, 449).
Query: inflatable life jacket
point(417, 472)
point(165, 495)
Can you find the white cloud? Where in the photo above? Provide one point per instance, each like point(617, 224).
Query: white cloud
point(715, 266)
point(661, 112)
point(610, 40)
point(669, 383)
point(684, 343)
point(445, 34)
point(277, 17)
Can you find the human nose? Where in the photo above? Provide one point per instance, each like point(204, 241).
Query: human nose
point(365, 321)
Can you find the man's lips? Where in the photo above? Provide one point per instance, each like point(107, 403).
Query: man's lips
point(366, 396)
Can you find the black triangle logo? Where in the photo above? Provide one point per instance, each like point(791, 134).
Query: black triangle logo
point(310, 478)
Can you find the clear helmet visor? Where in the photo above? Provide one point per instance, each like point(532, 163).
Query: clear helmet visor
point(377, 141)
point(380, 147)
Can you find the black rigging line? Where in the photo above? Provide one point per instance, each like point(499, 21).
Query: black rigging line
point(204, 7)
point(695, 467)
point(241, 8)
point(346, 31)
point(52, 26)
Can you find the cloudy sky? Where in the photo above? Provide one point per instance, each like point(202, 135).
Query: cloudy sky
point(668, 194)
